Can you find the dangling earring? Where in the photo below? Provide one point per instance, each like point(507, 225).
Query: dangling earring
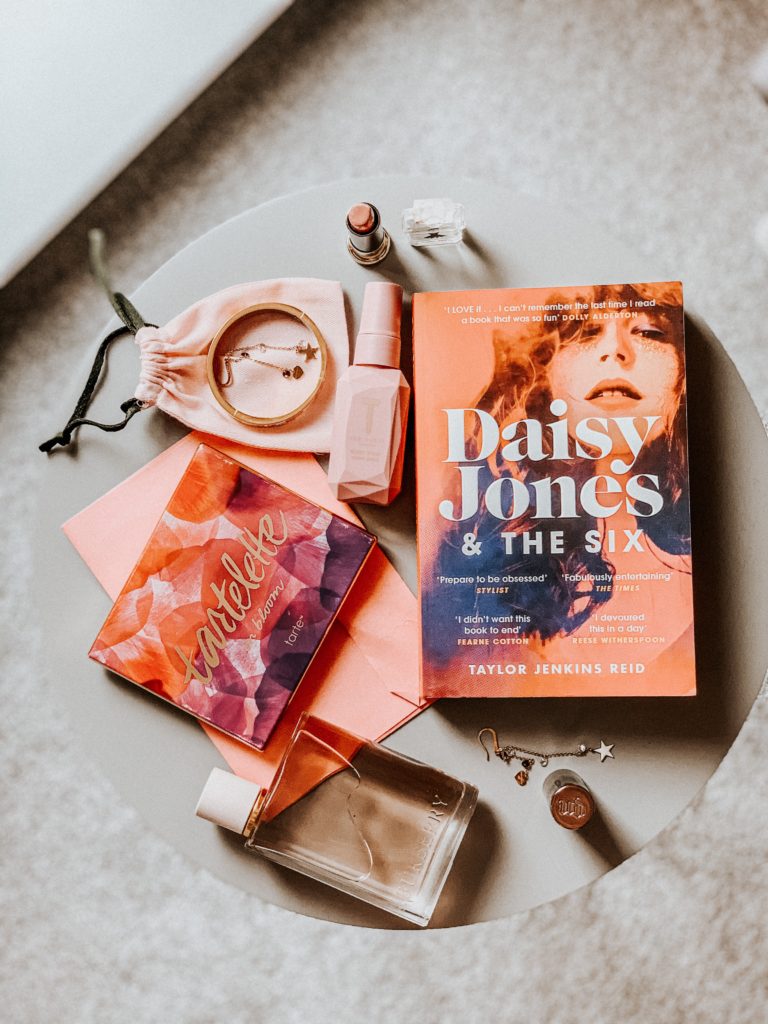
point(528, 758)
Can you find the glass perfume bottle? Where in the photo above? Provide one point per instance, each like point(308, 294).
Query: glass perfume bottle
point(353, 814)
point(434, 222)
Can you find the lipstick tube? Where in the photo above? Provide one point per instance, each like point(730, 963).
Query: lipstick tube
point(368, 241)
point(571, 804)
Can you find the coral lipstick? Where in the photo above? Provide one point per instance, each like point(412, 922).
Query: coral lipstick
point(368, 241)
point(361, 218)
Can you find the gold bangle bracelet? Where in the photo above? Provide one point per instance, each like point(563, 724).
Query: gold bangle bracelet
point(216, 345)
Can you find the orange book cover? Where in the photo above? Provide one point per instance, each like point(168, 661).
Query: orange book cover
point(552, 492)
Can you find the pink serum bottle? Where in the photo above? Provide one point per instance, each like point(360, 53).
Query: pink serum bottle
point(353, 814)
point(371, 412)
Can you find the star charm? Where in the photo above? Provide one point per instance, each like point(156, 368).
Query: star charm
point(604, 750)
point(309, 352)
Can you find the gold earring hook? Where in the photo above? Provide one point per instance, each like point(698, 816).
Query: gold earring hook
point(480, 740)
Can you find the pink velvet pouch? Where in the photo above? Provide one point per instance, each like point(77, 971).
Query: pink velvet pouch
point(280, 347)
point(174, 358)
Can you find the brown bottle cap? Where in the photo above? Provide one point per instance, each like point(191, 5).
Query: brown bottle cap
point(572, 806)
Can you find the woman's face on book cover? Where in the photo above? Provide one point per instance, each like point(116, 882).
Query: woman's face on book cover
point(619, 367)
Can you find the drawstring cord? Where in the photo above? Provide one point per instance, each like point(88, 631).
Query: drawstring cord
point(132, 322)
point(77, 419)
point(124, 308)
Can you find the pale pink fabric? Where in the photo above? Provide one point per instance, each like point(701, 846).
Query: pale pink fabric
point(173, 363)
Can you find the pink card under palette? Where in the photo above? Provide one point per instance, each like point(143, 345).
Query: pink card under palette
point(232, 596)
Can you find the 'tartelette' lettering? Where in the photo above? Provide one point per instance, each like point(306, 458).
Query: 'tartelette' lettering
point(234, 596)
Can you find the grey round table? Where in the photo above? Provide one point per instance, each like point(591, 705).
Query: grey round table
point(513, 857)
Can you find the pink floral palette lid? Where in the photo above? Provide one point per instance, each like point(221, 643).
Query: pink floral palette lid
point(232, 596)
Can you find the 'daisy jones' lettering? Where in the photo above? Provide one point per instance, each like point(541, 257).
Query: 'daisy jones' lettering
point(509, 497)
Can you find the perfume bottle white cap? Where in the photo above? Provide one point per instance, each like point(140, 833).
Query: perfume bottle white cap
point(228, 800)
point(378, 341)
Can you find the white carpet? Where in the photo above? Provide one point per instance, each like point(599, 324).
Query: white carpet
point(641, 116)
